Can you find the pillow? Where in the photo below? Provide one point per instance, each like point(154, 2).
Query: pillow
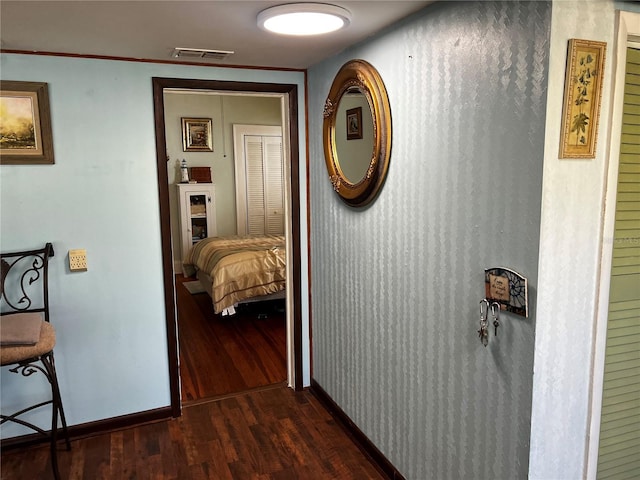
point(20, 329)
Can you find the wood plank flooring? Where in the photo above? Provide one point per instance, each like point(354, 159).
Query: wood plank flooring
point(273, 433)
point(223, 355)
point(267, 431)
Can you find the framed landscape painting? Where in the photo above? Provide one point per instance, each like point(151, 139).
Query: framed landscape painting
point(25, 123)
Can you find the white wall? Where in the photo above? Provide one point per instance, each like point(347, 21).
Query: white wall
point(571, 239)
point(102, 195)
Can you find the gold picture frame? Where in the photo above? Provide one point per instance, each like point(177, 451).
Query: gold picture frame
point(582, 95)
point(25, 124)
point(196, 135)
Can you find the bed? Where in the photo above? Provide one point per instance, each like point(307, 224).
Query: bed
point(239, 269)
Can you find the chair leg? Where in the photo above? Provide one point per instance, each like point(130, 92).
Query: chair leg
point(57, 410)
point(57, 399)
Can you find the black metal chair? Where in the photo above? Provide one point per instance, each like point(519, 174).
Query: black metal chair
point(26, 336)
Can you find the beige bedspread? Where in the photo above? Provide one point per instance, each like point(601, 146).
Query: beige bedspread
point(240, 267)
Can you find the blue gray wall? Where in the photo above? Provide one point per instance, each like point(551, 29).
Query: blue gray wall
point(102, 195)
point(396, 286)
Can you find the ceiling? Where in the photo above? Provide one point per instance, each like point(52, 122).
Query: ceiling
point(151, 29)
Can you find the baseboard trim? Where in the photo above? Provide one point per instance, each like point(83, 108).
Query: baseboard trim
point(360, 439)
point(91, 429)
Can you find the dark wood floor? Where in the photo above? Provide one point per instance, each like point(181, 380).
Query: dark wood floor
point(266, 431)
point(273, 433)
point(223, 355)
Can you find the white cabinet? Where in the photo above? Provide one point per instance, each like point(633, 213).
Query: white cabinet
point(197, 214)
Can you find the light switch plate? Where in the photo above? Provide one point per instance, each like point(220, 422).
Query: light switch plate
point(78, 260)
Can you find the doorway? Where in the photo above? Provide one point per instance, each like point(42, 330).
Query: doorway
point(288, 94)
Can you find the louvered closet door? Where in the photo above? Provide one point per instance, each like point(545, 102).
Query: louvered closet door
point(265, 184)
point(619, 455)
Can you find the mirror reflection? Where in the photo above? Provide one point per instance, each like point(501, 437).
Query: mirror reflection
point(354, 135)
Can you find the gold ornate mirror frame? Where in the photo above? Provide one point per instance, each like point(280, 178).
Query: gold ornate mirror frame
point(358, 74)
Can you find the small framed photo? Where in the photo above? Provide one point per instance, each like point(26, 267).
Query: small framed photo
point(582, 94)
point(196, 135)
point(25, 124)
point(354, 123)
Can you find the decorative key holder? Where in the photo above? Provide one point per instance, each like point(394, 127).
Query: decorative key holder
point(506, 290)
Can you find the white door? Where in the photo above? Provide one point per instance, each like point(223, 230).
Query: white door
point(259, 165)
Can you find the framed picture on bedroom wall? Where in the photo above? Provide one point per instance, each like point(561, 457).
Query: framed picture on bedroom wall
point(196, 135)
point(582, 93)
point(25, 123)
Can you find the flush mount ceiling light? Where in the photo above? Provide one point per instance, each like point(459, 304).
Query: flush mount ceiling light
point(304, 18)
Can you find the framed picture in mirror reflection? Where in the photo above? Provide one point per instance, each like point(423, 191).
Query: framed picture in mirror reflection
point(354, 123)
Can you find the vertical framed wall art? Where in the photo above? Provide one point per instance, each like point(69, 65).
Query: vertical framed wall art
point(582, 94)
point(25, 123)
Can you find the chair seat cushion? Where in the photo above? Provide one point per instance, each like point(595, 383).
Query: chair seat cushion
point(10, 354)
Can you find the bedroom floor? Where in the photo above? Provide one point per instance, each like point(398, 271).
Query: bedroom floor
point(224, 355)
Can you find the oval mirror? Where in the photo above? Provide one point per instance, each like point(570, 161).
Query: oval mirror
point(357, 133)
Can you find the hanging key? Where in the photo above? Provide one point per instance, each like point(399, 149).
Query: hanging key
point(495, 313)
point(483, 333)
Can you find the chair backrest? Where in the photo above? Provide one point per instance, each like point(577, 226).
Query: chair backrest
point(24, 283)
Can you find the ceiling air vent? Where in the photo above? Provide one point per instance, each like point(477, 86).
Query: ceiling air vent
point(201, 53)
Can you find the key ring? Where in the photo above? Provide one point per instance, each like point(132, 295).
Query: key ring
point(495, 313)
point(484, 312)
point(495, 308)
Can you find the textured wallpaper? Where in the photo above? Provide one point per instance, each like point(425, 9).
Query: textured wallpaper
point(396, 286)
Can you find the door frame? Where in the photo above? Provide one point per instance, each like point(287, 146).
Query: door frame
point(290, 93)
point(628, 30)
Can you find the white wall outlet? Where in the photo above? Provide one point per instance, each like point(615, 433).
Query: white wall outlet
point(78, 260)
